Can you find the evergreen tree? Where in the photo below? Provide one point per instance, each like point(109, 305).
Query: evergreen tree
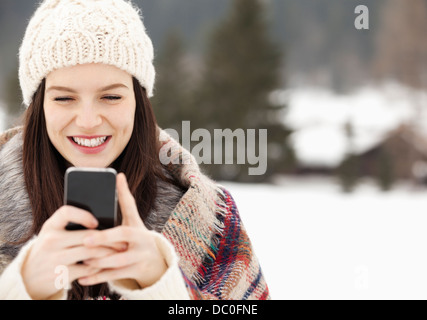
point(242, 68)
point(171, 98)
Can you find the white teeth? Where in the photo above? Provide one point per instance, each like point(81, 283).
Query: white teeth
point(91, 143)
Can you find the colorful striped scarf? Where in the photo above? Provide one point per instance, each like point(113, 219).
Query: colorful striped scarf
point(216, 255)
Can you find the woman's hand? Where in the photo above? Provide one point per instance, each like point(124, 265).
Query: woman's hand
point(56, 248)
point(141, 261)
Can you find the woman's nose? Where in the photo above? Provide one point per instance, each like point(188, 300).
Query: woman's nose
point(88, 117)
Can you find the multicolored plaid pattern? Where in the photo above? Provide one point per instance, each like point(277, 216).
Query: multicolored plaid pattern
point(229, 269)
point(216, 255)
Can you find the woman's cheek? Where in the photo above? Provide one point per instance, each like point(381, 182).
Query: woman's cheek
point(124, 121)
point(55, 118)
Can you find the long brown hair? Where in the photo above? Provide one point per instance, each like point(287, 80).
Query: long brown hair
point(44, 169)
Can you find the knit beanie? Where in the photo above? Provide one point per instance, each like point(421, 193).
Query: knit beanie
point(65, 33)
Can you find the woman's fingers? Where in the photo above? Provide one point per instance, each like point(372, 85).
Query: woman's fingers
point(127, 251)
point(117, 260)
point(78, 271)
point(144, 267)
point(62, 240)
point(67, 214)
point(118, 246)
point(111, 237)
point(81, 253)
point(104, 276)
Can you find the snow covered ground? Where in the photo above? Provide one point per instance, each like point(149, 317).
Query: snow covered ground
point(315, 242)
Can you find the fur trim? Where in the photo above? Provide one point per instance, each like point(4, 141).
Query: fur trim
point(15, 208)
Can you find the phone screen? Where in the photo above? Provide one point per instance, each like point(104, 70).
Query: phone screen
point(93, 190)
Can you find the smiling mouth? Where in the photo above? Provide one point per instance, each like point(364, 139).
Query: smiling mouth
point(92, 142)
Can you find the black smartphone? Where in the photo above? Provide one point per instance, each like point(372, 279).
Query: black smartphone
point(93, 190)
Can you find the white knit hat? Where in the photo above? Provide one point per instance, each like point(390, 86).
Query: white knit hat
point(64, 33)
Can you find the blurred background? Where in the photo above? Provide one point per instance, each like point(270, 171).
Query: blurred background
point(345, 110)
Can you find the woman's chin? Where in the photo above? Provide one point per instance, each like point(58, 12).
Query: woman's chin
point(89, 164)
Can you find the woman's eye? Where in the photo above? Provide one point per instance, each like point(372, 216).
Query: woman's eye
point(63, 99)
point(112, 98)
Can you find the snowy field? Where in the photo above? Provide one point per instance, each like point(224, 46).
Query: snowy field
point(315, 242)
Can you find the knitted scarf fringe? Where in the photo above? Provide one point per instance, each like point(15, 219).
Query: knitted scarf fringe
point(221, 211)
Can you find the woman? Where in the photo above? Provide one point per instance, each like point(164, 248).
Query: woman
point(86, 74)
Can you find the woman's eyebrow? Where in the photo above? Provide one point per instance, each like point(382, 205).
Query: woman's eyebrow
point(57, 88)
point(114, 86)
point(66, 89)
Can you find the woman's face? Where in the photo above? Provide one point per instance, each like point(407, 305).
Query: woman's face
point(89, 111)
